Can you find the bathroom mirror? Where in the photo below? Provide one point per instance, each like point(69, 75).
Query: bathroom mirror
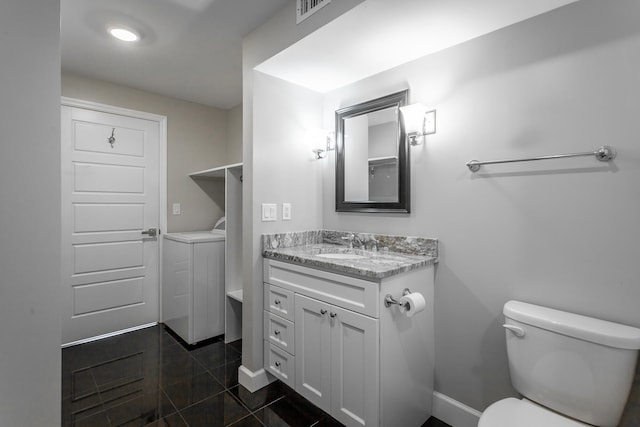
point(372, 157)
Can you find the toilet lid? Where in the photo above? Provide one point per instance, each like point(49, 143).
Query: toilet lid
point(512, 412)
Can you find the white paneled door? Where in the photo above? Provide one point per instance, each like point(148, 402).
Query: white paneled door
point(110, 209)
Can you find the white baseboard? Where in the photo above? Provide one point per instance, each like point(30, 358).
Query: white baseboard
point(454, 413)
point(253, 381)
point(110, 334)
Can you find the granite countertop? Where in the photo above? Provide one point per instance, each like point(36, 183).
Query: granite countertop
point(366, 255)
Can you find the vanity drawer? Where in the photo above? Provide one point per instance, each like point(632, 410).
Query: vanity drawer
point(279, 301)
point(279, 363)
point(279, 332)
point(347, 292)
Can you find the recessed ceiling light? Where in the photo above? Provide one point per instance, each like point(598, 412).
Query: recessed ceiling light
point(124, 34)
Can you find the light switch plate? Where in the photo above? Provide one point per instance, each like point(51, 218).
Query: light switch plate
point(176, 209)
point(269, 212)
point(430, 122)
point(286, 211)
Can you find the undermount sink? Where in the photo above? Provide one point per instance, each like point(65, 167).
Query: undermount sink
point(342, 256)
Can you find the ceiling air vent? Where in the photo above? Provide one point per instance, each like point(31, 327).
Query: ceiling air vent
point(306, 8)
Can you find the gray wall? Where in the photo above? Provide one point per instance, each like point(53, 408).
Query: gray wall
point(234, 135)
point(30, 213)
point(560, 233)
point(196, 140)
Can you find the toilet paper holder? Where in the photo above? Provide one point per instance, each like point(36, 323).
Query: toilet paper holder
point(389, 299)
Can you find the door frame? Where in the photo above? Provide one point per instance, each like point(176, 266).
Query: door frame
point(162, 188)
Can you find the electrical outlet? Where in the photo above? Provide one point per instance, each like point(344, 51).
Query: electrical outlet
point(286, 211)
point(176, 208)
point(269, 212)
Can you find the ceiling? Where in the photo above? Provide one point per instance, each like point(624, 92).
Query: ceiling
point(190, 49)
point(394, 32)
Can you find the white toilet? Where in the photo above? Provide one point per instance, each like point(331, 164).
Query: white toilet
point(572, 370)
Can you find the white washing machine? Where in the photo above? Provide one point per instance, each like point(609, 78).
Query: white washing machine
point(193, 283)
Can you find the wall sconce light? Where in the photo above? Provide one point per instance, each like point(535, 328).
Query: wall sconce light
point(418, 121)
point(324, 140)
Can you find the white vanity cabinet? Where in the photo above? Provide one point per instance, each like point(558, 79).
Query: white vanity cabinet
point(337, 360)
point(331, 338)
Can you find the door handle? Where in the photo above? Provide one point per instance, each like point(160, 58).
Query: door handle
point(152, 232)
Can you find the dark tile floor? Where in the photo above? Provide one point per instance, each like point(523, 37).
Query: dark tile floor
point(148, 378)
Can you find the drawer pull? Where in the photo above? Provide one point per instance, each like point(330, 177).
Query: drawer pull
point(276, 332)
point(333, 315)
point(278, 364)
point(277, 302)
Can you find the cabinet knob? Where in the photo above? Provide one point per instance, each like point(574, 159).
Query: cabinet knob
point(276, 302)
point(323, 311)
point(333, 314)
point(278, 364)
point(276, 332)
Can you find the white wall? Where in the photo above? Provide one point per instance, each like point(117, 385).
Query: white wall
point(282, 114)
point(285, 171)
point(30, 213)
point(561, 233)
point(273, 36)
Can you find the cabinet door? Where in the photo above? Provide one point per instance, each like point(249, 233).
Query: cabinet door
point(355, 368)
point(313, 351)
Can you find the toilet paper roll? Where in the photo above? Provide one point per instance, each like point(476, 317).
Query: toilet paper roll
point(412, 303)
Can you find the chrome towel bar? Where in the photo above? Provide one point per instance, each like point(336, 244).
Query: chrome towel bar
point(604, 154)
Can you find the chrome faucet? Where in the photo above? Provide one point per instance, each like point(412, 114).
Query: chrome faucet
point(350, 238)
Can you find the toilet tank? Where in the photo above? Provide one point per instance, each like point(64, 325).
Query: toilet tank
point(576, 365)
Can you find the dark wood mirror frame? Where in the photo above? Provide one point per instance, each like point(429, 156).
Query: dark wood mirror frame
point(402, 205)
